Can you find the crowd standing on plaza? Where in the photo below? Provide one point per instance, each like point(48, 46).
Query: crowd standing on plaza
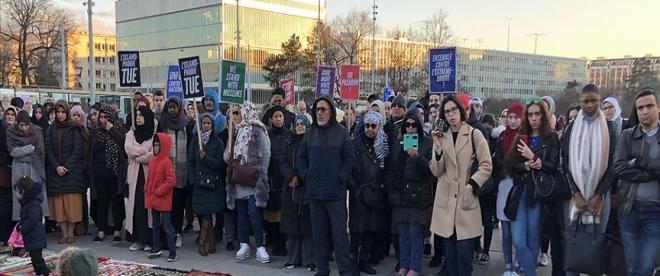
point(353, 184)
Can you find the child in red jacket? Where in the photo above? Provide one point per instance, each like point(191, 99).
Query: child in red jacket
point(158, 195)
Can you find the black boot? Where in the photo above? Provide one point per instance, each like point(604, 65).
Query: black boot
point(365, 266)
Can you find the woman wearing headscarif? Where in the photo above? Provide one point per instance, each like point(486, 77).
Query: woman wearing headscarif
point(251, 146)
point(6, 191)
point(40, 118)
point(138, 147)
point(173, 122)
point(205, 171)
point(368, 200)
point(79, 117)
point(296, 220)
point(65, 174)
point(279, 136)
point(26, 146)
point(612, 111)
point(109, 164)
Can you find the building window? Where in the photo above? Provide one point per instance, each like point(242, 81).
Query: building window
point(112, 47)
point(98, 86)
point(98, 73)
point(112, 59)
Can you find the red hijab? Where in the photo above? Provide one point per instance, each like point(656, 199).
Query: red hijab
point(509, 133)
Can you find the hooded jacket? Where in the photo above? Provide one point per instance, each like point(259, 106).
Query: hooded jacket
point(30, 226)
point(161, 179)
point(409, 174)
point(219, 119)
point(325, 158)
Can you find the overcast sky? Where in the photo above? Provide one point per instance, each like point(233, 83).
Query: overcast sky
point(582, 28)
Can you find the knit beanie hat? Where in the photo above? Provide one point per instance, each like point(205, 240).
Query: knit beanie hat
point(399, 100)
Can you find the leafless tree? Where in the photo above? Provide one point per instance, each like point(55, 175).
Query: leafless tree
point(434, 29)
point(349, 31)
point(34, 27)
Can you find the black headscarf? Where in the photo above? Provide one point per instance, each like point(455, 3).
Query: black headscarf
point(43, 122)
point(169, 122)
point(111, 146)
point(146, 131)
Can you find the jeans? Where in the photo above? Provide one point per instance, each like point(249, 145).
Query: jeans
point(411, 244)
point(157, 216)
point(507, 249)
point(248, 215)
point(525, 232)
point(329, 231)
point(640, 230)
point(459, 255)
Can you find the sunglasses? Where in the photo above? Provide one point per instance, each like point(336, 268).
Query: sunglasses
point(535, 100)
point(373, 126)
point(236, 113)
point(410, 125)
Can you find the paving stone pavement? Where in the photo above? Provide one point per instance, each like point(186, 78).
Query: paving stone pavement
point(224, 261)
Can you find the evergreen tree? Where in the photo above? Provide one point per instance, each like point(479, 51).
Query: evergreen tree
point(280, 66)
point(642, 75)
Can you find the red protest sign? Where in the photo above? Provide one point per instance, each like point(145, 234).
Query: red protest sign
point(350, 82)
point(288, 85)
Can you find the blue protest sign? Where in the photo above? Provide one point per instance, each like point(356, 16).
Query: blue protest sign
point(442, 70)
point(387, 91)
point(174, 87)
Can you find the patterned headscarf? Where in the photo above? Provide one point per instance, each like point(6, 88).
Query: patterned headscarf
point(103, 136)
point(248, 122)
point(206, 135)
point(381, 147)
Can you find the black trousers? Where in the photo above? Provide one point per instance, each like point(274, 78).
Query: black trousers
point(488, 208)
point(38, 263)
point(178, 208)
point(362, 244)
point(329, 228)
point(552, 222)
point(108, 199)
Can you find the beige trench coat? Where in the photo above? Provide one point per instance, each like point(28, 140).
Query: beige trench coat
point(455, 206)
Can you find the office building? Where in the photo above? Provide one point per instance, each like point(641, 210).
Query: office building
point(610, 74)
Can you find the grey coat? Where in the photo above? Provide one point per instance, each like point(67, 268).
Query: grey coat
point(28, 160)
point(259, 156)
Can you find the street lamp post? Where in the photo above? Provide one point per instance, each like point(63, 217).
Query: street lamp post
point(373, 51)
point(92, 72)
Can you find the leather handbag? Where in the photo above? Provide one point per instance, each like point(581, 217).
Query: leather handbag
point(208, 181)
point(585, 252)
point(550, 188)
point(244, 175)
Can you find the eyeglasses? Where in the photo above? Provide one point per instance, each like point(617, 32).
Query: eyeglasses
point(536, 100)
point(374, 126)
point(451, 110)
point(321, 110)
point(410, 125)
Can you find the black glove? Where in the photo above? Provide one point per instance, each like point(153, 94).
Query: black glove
point(641, 163)
point(475, 187)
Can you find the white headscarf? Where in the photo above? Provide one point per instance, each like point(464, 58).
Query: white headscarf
point(616, 120)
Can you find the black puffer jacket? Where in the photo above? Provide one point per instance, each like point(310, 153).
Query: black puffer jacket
point(205, 200)
point(296, 219)
point(405, 172)
point(368, 195)
point(279, 138)
point(69, 153)
point(30, 226)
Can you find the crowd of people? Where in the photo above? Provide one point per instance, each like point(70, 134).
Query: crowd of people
point(394, 177)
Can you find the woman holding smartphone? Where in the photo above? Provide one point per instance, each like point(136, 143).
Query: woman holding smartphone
point(456, 213)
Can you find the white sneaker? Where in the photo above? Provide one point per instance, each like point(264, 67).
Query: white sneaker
point(179, 240)
point(543, 259)
point(243, 252)
point(506, 273)
point(147, 248)
point(262, 255)
point(136, 247)
point(513, 273)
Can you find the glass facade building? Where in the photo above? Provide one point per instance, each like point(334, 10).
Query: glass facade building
point(511, 75)
point(166, 30)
